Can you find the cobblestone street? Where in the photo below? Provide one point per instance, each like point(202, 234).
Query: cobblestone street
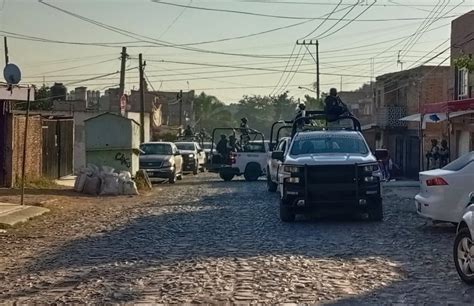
point(204, 240)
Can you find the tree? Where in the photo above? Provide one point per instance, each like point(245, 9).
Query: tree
point(211, 113)
point(42, 99)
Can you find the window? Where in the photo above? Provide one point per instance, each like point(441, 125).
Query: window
point(156, 149)
point(185, 146)
point(329, 144)
point(282, 146)
point(463, 85)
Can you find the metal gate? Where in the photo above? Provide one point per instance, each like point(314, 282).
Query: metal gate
point(58, 143)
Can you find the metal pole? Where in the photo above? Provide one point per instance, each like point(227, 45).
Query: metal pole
point(420, 130)
point(142, 100)
point(5, 45)
point(25, 139)
point(122, 71)
point(317, 71)
point(180, 108)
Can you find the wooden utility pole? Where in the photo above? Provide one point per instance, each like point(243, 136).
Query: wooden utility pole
point(142, 99)
point(124, 56)
point(180, 101)
point(315, 58)
point(25, 142)
point(5, 45)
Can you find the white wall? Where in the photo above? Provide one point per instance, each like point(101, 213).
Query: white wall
point(136, 116)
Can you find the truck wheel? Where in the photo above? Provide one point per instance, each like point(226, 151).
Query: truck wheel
point(286, 214)
point(226, 176)
point(252, 172)
point(376, 211)
point(271, 186)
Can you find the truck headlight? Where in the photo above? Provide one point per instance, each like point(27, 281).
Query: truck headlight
point(293, 180)
point(370, 179)
point(371, 168)
point(291, 169)
point(166, 163)
point(191, 155)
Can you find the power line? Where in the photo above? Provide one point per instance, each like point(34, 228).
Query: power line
point(276, 16)
point(324, 21)
point(339, 20)
point(286, 67)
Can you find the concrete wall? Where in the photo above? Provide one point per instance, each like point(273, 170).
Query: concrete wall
point(148, 127)
point(14, 149)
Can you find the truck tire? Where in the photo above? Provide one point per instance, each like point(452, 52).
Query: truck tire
point(376, 211)
point(252, 172)
point(226, 176)
point(271, 186)
point(286, 214)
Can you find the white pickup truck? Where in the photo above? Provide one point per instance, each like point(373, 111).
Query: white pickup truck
point(250, 162)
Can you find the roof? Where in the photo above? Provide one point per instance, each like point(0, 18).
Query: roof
point(113, 114)
point(158, 142)
point(449, 106)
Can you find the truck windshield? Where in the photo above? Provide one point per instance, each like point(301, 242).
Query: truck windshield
point(329, 144)
point(185, 146)
point(156, 149)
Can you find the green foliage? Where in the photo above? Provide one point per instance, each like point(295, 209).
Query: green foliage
point(42, 100)
point(211, 113)
point(464, 61)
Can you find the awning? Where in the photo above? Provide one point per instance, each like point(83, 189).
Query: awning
point(435, 117)
point(449, 106)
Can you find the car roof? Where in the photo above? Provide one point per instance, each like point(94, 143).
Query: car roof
point(186, 142)
point(157, 142)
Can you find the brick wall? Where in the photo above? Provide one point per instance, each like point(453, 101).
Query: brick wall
point(14, 149)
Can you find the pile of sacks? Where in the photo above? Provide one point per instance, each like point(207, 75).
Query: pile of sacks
point(105, 181)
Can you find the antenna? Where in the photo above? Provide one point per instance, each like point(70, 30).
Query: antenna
point(12, 74)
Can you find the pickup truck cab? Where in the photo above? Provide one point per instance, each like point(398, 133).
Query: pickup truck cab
point(328, 171)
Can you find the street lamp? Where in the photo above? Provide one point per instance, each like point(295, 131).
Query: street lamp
point(301, 87)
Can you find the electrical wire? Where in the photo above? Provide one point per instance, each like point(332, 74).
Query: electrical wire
point(286, 67)
point(324, 21)
point(276, 16)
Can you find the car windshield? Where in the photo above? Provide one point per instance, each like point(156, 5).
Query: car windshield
point(321, 144)
point(185, 146)
point(156, 149)
point(460, 163)
point(206, 145)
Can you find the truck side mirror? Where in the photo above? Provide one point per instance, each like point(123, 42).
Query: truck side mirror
point(471, 198)
point(278, 155)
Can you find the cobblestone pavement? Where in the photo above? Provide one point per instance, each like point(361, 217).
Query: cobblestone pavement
point(204, 240)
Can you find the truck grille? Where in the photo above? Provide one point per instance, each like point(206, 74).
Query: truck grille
point(332, 183)
point(148, 165)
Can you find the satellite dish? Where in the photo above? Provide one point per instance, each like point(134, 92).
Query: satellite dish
point(12, 74)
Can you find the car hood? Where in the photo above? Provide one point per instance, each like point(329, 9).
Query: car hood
point(183, 152)
point(330, 159)
point(154, 158)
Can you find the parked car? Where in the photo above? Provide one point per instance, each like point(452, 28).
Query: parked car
point(273, 165)
point(463, 251)
point(444, 192)
point(194, 158)
point(161, 160)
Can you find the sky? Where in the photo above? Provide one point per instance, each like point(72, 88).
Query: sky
point(78, 42)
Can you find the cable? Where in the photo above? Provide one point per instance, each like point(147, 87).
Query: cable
point(293, 76)
point(284, 84)
point(148, 81)
point(339, 20)
point(286, 67)
point(80, 66)
point(324, 21)
point(435, 48)
point(98, 77)
point(273, 16)
point(174, 21)
point(348, 23)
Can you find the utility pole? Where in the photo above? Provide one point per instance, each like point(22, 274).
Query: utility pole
point(124, 56)
point(180, 101)
point(315, 58)
point(142, 98)
point(25, 143)
point(5, 44)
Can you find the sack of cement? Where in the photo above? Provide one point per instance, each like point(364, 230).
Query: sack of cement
point(91, 185)
point(80, 182)
point(109, 181)
point(127, 186)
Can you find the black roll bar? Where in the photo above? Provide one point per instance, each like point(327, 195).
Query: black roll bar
point(273, 127)
point(322, 115)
